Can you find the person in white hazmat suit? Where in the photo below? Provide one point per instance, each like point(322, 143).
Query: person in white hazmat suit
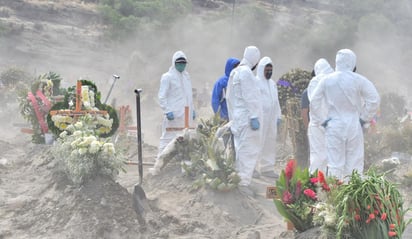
point(316, 133)
point(175, 93)
point(244, 108)
point(351, 101)
point(271, 115)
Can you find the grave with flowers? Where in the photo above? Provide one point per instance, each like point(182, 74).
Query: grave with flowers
point(366, 207)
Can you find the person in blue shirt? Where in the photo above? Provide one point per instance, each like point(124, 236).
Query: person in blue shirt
point(219, 90)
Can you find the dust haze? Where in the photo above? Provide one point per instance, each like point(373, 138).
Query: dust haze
point(293, 35)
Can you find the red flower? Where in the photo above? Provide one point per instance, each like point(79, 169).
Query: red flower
point(310, 193)
point(290, 169)
point(392, 234)
point(322, 180)
point(392, 226)
point(357, 217)
point(314, 180)
point(287, 197)
point(383, 216)
point(372, 216)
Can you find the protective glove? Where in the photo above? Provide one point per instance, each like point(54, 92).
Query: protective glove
point(194, 114)
point(325, 123)
point(362, 122)
point(170, 116)
point(279, 122)
point(254, 123)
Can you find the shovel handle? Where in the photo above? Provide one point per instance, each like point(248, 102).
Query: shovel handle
point(139, 135)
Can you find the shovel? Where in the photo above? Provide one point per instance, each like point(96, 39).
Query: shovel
point(139, 196)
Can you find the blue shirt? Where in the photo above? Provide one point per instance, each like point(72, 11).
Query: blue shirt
point(219, 89)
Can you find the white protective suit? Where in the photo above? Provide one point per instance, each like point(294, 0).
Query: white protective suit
point(175, 93)
point(316, 133)
point(270, 114)
point(349, 97)
point(243, 101)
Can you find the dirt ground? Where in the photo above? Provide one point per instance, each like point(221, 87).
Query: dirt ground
point(38, 201)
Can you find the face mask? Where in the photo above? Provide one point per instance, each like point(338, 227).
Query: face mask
point(253, 68)
point(180, 67)
point(268, 75)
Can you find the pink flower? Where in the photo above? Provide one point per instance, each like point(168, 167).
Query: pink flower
point(314, 180)
point(287, 197)
point(310, 193)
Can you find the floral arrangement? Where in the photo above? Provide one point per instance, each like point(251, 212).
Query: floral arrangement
point(35, 104)
point(366, 207)
point(105, 125)
point(369, 207)
point(291, 85)
point(84, 154)
point(297, 192)
point(212, 164)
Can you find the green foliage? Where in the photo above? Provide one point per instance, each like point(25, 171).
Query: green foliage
point(369, 207)
point(13, 77)
point(294, 83)
point(124, 16)
point(211, 163)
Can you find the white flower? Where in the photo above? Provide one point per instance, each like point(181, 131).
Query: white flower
point(108, 148)
point(82, 151)
point(94, 147)
point(63, 134)
point(78, 125)
point(77, 133)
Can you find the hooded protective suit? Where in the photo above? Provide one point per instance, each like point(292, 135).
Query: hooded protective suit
point(316, 133)
point(175, 93)
point(219, 90)
point(244, 107)
point(349, 98)
point(270, 114)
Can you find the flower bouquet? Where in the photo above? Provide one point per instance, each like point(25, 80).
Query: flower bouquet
point(297, 192)
point(369, 207)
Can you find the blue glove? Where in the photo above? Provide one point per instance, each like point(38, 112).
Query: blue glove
point(278, 122)
point(254, 123)
point(325, 123)
point(170, 116)
point(194, 114)
point(362, 122)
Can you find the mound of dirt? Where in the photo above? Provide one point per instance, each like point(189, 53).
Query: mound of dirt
point(38, 201)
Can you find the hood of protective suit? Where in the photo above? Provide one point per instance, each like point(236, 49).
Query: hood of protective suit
point(251, 56)
point(261, 67)
point(322, 66)
point(345, 60)
point(177, 55)
point(230, 63)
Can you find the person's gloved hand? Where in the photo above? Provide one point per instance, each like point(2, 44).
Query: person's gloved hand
point(254, 123)
point(194, 114)
point(362, 122)
point(170, 116)
point(325, 123)
point(279, 122)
